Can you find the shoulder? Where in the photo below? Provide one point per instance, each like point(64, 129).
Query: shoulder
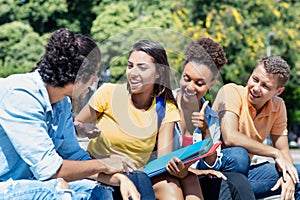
point(109, 88)
point(277, 103)
point(231, 91)
point(26, 86)
point(233, 87)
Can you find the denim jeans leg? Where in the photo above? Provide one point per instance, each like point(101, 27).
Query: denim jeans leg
point(89, 189)
point(143, 184)
point(297, 189)
point(235, 159)
point(31, 189)
point(262, 178)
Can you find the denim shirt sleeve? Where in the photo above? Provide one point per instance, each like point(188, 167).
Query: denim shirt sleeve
point(23, 123)
point(64, 134)
point(215, 131)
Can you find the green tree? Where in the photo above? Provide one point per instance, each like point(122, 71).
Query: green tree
point(120, 24)
point(241, 27)
point(21, 48)
point(47, 16)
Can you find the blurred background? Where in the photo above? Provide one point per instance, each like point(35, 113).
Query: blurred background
point(247, 30)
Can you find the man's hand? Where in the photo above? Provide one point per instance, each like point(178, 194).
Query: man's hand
point(286, 168)
point(177, 168)
point(115, 163)
point(199, 119)
point(287, 188)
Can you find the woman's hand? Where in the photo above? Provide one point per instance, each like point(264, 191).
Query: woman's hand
point(177, 168)
point(86, 129)
point(208, 172)
point(127, 188)
point(199, 119)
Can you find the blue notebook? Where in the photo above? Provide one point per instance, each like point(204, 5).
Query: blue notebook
point(186, 154)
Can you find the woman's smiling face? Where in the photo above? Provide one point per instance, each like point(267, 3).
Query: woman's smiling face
point(195, 81)
point(141, 72)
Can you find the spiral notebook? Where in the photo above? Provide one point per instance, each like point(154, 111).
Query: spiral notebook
point(188, 154)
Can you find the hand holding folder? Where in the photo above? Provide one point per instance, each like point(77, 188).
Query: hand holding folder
point(188, 154)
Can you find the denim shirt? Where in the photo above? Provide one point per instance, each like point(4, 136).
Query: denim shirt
point(212, 120)
point(35, 135)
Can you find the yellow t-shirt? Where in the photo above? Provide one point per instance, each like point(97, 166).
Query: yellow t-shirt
point(125, 130)
point(271, 120)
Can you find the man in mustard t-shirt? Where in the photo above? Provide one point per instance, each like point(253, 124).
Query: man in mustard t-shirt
point(247, 116)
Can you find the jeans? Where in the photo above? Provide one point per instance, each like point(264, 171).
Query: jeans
point(262, 177)
point(236, 187)
point(143, 184)
point(33, 190)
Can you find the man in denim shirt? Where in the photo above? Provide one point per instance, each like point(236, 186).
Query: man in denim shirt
point(39, 148)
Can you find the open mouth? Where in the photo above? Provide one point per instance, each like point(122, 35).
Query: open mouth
point(189, 94)
point(253, 96)
point(135, 83)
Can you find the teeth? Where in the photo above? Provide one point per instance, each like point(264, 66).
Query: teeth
point(255, 96)
point(134, 81)
point(189, 94)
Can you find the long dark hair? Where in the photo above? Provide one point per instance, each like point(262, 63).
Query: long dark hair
point(162, 86)
point(69, 57)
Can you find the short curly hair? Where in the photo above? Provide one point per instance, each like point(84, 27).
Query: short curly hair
point(278, 66)
point(69, 57)
point(206, 51)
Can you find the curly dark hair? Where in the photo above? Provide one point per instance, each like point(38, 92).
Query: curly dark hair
point(69, 58)
point(278, 66)
point(162, 87)
point(206, 51)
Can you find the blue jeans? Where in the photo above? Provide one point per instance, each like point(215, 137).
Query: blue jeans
point(236, 187)
point(142, 183)
point(262, 177)
point(33, 189)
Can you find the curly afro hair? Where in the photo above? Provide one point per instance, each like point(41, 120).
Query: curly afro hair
point(278, 66)
point(206, 51)
point(69, 58)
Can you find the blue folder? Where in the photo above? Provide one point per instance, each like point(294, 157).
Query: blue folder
point(186, 154)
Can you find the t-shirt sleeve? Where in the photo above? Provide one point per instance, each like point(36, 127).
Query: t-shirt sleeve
point(280, 123)
point(101, 97)
point(228, 99)
point(172, 113)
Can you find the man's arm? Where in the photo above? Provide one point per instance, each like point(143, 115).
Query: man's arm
point(231, 137)
point(229, 123)
point(74, 170)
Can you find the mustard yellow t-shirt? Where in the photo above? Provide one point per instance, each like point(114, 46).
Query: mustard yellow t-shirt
point(125, 130)
point(271, 120)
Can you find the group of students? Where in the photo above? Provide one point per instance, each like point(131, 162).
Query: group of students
point(41, 158)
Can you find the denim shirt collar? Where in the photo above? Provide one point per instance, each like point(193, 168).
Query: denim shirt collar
point(36, 77)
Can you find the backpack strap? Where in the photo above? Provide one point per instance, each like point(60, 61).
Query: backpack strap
point(161, 112)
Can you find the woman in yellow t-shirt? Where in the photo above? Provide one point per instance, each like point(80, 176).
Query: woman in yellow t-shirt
point(127, 115)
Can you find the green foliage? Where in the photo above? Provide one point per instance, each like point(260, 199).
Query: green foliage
point(240, 26)
point(21, 48)
point(121, 24)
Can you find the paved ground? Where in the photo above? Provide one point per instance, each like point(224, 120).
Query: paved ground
point(296, 155)
point(294, 152)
